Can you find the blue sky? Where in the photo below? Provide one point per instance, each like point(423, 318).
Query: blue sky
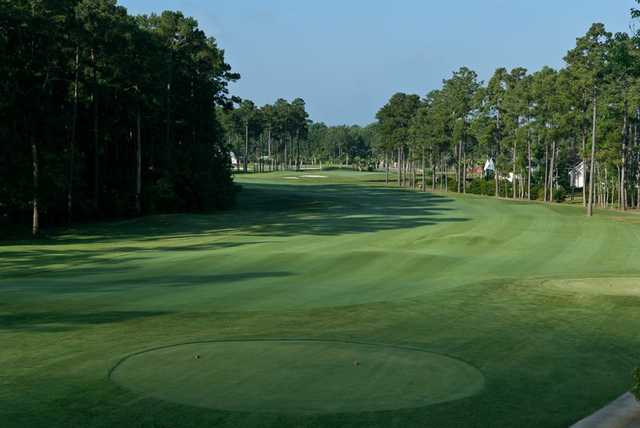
point(347, 57)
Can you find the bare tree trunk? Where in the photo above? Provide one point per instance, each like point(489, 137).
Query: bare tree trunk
point(96, 138)
point(246, 147)
point(404, 168)
point(637, 158)
point(298, 165)
point(464, 170)
point(285, 166)
point(514, 169)
point(35, 226)
point(593, 154)
point(433, 174)
point(269, 149)
point(424, 173)
point(625, 134)
point(529, 168)
point(138, 161)
point(552, 167)
point(256, 164)
point(399, 167)
point(458, 167)
point(546, 169)
point(72, 141)
point(585, 169)
point(386, 167)
point(446, 177)
point(167, 131)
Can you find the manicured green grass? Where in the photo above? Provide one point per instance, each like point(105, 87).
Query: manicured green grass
point(297, 376)
point(304, 278)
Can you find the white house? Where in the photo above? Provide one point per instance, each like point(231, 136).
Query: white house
point(576, 176)
point(234, 159)
point(489, 165)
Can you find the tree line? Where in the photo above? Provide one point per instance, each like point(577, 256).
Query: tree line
point(534, 130)
point(281, 136)
point(104, 114)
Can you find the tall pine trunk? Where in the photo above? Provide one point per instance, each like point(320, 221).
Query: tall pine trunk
point(72, 141)
point(96, 138)
point(593, 154)
point(552, 167)
point(458, 167)
point(138, 161)
point(246, 147)
point(464, 170)
point(514, 169)
point(35, 225)
point(546, 169)
point(167, 130)
point(269, 148)
point(386, 167)
point(298, 159)
point(585, 168)
point(529, 168)
point(433, 174)
point(424, 173)
point(284, 161)
point(625, 134)
point(399, 164)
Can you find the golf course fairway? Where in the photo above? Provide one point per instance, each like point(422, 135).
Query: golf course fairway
point(326, 299)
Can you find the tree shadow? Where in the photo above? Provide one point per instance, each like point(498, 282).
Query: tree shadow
point(263, 211)
point(58, 322)
point(199, 280)
point(277, 210)
point(326, 210)
point(108, 281)
point(60, 262)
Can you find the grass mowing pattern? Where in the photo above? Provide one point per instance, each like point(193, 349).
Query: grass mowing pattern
point(296, 376)
point(342, 258)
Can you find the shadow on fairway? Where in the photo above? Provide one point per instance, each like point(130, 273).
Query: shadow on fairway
point(279, 210)
point(56, 322)
point(108, 281)
point(336, 210)
point(197, 280)
point(35, 261)
point(263, 211)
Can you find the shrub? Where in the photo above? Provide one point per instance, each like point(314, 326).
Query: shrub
point(635, 388)
point(559, 194)
point(482, 186)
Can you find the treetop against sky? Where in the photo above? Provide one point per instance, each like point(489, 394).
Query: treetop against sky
point(346, 58)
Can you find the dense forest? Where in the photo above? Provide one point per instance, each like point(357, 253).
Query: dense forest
point(104, 114)
point(280, 136)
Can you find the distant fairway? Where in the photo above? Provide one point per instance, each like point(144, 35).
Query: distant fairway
point(331, 301)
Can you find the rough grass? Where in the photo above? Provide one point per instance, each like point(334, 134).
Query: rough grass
point(510, 288)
